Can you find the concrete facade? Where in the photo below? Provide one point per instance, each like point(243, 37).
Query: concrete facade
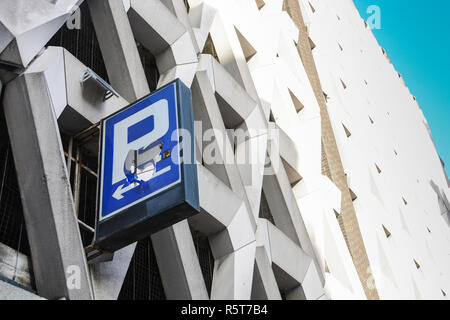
point(324, 198)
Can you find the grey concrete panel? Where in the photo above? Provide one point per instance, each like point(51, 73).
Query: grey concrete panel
point(181, 52)
point(285, 211)
point(232, 95)
point(230, 54)
point(107, 277)
point(178, 263)
point(278, 207)
point(5, 36)
point(77, 106)
point(184, 72)
point(189, 281)
point(221, 39)
point(246, 265)
point(264, 283)
point(178, 8)
point(216, 212)
point(87, 99)
point(207, 111)
point(312, 284)
point(154, 25)
point(294, 270)
point(26, 26)
point(238, 234)
point(233, 275)
point(287, 255)
point(238, 110)
point(127, 75)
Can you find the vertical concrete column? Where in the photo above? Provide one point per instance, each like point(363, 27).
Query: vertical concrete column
point(178, 264)
point(118, 47)
point(59, 261)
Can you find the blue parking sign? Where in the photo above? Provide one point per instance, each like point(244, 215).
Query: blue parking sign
point(144, 185)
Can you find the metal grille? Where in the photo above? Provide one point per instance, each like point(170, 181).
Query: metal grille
point(87, 202)
point(82, 43)
point(205, 257)
point(143, 281)
point(12, 225)
point(150, 68)
point(264, 210)
point(83, 180)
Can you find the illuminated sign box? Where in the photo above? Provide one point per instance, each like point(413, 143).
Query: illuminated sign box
point(148, 176)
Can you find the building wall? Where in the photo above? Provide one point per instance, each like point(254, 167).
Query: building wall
point(390, 159)
point(316, 212)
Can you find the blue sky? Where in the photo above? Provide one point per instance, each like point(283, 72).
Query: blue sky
point(416, 36)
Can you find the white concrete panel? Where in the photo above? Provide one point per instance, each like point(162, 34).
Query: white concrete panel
point(11, 292)
point(233, 275)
